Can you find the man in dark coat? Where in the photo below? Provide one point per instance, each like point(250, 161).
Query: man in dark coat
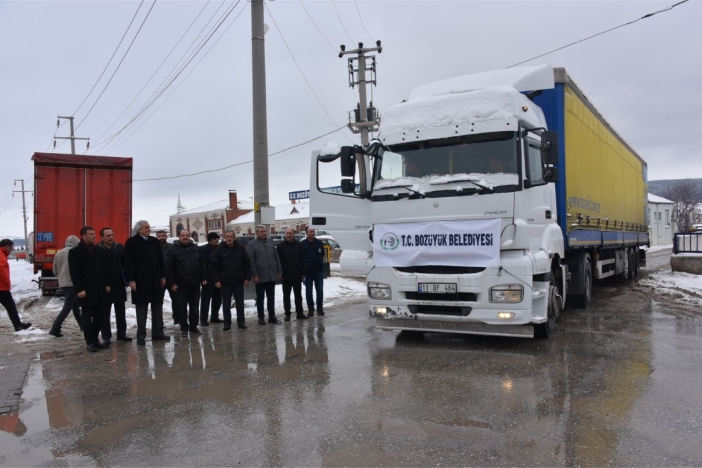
point(113, 256)
point(265, 270)
point(230, 269)
point(209, 292)
point(314, 256)
point(185, 270)
point(292, 260)
point(162, 237)
point(88, 273)
point(145, 273)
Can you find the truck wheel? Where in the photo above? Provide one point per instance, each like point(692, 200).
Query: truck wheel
point(632, 264)
point(548, 328)
point(626, 274)
point(582, 301)
point(637, 264)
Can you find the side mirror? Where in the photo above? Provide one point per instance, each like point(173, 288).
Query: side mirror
point(551, 174)
point(348, 186)
point(373, 148)
point(549, 147)
point(348, 161)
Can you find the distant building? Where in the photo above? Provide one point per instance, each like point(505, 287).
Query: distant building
point(214, 217)
point(294, 215)
point(661, 227)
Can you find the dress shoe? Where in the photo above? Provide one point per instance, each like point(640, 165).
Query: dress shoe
point(141, 342)
point(274, 320)
point(320, 312)
point(99, 345)
point(301, 317)
point(216, 320)
point(195, 330)
point(287, 318)
point(204, 324)
point(56, 333)
point(184, 333)
point(241, 326)
point(310, 314)
point(108, 341)
point(23, 326)
point(227, 326)
point(91, 348)
point(261, 321)
point(124, 338)
point(161, 338)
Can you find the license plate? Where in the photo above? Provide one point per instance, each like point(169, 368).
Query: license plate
point(445, 288)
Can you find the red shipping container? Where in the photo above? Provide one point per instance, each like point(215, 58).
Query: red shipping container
point(72, 191)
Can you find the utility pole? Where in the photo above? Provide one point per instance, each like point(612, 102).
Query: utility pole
point(260, 121)
point(365, 118)
point(72, 137)
point(24, 208)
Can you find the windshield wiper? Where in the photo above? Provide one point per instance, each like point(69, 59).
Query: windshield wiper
point(408, 187)
point(484, 187)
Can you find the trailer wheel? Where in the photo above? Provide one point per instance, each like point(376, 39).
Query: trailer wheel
point(637, 262)
point(548, 328)
point(582, 301)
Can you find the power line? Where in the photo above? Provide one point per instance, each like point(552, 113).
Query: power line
point(145, 108)
point(240, 163)
point(342, 23)
point(362, 23)
point(315, 25)
point(600, 33)
point(110, 61)
point(118, 65)
point(301, 72)
point(157, 70)
point(126, 137)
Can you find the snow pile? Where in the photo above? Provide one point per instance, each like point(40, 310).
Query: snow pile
point(330, 148)
point(677, 283)
point(21, 275)
point(31, 334)
point(440, 182)
point(450, 110)
point(656, 248)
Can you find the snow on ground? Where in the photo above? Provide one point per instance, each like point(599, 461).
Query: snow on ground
point(655, 248)
point(21, 275)
point(686, 286)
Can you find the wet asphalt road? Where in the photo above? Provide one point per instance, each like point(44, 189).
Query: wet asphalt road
point(619, 384)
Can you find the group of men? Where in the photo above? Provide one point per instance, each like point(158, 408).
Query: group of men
point(95, 277)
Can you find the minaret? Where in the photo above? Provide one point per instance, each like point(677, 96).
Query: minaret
point(180, 208)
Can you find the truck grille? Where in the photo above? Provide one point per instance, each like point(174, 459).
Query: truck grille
point(440, 310)
point(461, 296)
point(440, 270)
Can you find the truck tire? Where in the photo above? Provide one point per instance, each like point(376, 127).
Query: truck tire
point(548, 328)
point(637, 262)
point(582, 301)
point(632, 264)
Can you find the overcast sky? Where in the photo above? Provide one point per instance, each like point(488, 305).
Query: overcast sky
point(644, 78)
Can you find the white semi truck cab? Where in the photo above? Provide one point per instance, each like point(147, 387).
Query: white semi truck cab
point(456, 214)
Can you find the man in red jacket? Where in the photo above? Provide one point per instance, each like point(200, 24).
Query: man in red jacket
point(6, 246)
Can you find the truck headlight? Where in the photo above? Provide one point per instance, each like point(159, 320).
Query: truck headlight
point(507, 293)
point(379, 291)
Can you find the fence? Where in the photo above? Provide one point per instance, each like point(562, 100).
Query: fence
point(687, 242)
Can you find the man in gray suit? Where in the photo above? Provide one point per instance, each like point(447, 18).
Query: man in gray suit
point(265, 270)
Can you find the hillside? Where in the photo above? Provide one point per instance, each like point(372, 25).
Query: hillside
point(659, 187)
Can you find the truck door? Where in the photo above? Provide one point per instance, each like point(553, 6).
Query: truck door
point(345, 216)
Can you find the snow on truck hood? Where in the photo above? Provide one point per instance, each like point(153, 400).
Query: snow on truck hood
point(479, 103)
point(447, 182)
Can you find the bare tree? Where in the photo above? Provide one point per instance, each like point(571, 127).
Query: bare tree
point(684, 194)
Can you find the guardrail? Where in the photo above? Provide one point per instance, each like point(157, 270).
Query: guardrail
point(687, 242)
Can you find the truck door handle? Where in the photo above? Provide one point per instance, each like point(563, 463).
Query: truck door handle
point(319, 221)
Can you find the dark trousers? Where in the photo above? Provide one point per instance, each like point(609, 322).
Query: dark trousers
point(296, 287)
point(92, 322)
point(238, 292)
point(210, 294)
point(156, 319)
point(267, 289)
point(175, 303)
point(189, 298)
point(120, 319)
point(9, 303)
point(69, 304)
point(317, 280)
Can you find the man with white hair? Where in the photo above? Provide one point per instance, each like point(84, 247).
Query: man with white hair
point(145, 273)
point(265, 270)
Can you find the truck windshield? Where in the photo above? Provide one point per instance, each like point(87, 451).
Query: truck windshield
point(489, 156)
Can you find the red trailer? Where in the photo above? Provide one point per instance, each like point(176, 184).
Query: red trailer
point(72, 191)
